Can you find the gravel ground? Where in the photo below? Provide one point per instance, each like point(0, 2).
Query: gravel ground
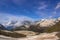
point(43, 36)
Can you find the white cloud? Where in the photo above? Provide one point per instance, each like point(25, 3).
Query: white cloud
point(10, 20)
point(42, 5)
point(58, 5)
point(23, 18)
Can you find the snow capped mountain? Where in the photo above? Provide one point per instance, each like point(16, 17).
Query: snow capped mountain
point(59, 18)
point(42, 22)
point(2, 27)
point(26, 22)
point(47, 22)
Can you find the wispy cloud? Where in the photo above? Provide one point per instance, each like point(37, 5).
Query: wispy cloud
point(58, 5)
point(41, 9)
point(56, 10)
point(42, 5)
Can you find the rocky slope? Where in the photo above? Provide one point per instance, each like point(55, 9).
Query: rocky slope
point(42, 36)
point(11, 34)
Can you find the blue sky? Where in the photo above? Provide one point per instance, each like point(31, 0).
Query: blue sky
point(35, 9)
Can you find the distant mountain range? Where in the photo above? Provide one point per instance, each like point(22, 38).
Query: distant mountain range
point(43, 25)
